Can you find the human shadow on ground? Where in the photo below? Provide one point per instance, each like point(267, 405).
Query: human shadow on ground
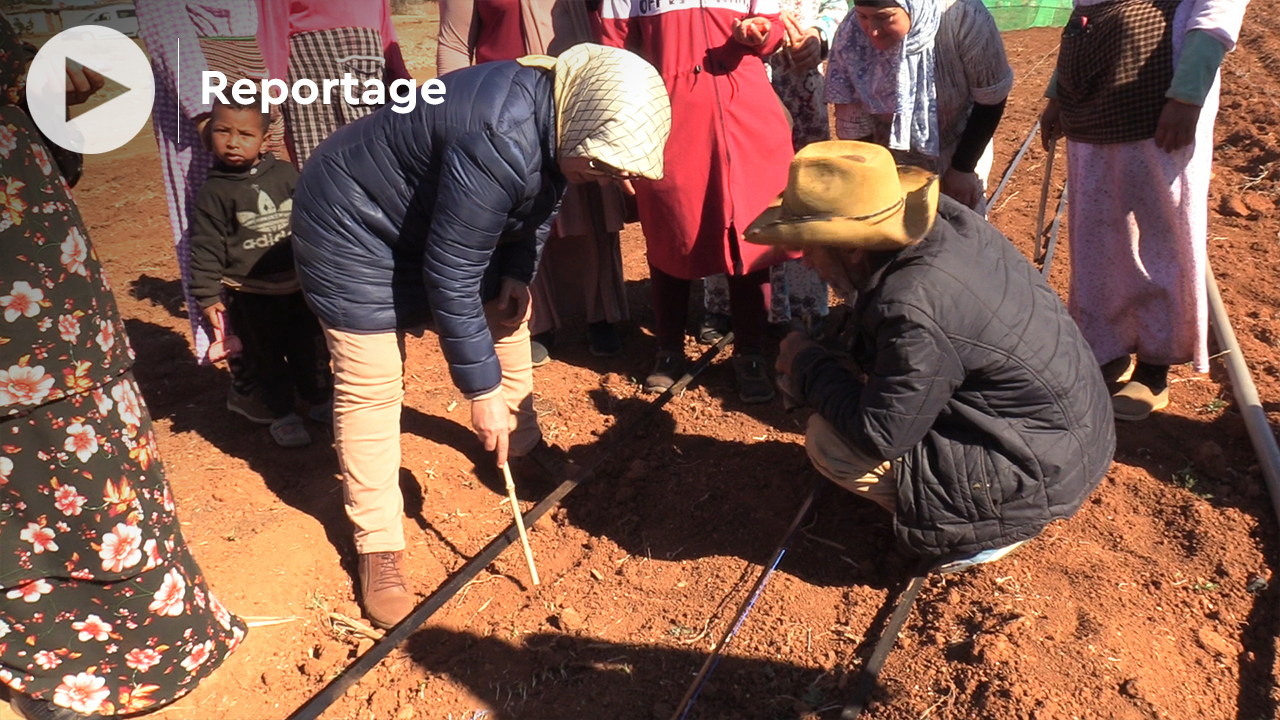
point(658, 491)
point(158, 291)
point(1213, 458)
point(193, 399)
point(663, 492)
point(551, 674)
point(640, 348)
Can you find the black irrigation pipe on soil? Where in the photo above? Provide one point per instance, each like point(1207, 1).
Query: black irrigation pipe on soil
point(401, 632)
point(1026, 145)
point(713, 659)
point(884, 645)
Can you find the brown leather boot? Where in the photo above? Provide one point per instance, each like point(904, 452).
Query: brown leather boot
point(383, 592)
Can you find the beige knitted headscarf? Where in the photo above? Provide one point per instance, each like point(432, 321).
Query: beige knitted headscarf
point(611, 106)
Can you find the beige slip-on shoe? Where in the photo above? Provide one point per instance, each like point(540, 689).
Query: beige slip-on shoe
point(1135, 401)
point(1117, 372)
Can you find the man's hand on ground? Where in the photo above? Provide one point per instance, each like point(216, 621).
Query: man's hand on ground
point(792, 345)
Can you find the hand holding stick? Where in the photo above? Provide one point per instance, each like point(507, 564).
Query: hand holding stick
point(515, 511)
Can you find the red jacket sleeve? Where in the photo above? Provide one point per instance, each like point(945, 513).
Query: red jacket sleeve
point(618, 27)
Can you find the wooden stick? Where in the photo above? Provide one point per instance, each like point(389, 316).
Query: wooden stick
point(1044, 198)
point(515, 511)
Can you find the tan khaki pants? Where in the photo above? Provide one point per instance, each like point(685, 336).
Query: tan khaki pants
point(849, 467)
point(368, 373)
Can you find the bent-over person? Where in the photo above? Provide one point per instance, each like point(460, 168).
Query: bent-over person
point(442, 212)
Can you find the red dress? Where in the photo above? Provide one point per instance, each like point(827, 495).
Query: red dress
point(501, 35)
point(730, 147)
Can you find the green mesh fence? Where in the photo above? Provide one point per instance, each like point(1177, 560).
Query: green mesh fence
point(1023, 14)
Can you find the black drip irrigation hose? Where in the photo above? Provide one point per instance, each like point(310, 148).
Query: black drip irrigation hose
point(401, 632)
point(713, 659)
point(884, 645)
point(1026, 145)
point(1053, 232)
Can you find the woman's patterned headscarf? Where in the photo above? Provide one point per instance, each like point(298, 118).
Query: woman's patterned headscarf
point(611, 106)
point(899, 81)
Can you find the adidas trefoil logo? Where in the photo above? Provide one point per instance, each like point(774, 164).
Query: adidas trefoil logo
point(269, 219)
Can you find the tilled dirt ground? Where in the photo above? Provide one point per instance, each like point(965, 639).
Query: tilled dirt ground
point(1150, 603)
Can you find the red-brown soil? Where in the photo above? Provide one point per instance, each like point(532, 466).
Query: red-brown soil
point(1139, 607)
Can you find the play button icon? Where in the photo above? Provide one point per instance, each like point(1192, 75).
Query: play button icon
point(108, 125)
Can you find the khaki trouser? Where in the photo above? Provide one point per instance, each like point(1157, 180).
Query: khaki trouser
point(849, 467)
point(368, 371)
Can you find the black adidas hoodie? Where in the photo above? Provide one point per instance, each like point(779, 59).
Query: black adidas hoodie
point(242, 236)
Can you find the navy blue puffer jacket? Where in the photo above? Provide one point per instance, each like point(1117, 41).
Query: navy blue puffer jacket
point(397, 215)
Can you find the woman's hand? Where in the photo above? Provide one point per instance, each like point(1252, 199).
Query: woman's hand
point(804, 47)
point(963, 187)
point(491, 419)
point(622, 182)
point(513, 303)
point(792, 345)
point(1050, 123)
point(1177, 127)
point(82, 83)
point(752, 31)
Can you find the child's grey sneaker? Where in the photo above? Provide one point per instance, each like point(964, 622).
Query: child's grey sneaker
point(978, 558)
point(322, 413)
point(290, 432)
point(538, 353)
point(250, 407)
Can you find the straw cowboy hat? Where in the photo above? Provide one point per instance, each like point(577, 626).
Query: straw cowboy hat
point(849, 194)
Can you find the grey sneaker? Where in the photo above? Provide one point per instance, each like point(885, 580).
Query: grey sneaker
point(668, 368)
point(754, 386)
point(714, 326)
point(976, 559)
point(250, 407)
point(539, 353)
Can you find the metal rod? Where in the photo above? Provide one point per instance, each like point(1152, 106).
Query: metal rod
point(401, 632)
point(991, 201)
point(1044, 197)
point(713, 659)
point(1053, 232)
point(871, 671)
point(515, 512)
point(1255, 416)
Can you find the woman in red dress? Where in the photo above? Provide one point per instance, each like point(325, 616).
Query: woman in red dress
point(728, 157)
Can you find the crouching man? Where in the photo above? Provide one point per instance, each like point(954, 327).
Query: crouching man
point(972, 408)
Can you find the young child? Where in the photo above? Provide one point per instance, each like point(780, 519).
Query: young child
point(242, 249)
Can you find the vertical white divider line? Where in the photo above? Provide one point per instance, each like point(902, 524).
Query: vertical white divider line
point(177, 90)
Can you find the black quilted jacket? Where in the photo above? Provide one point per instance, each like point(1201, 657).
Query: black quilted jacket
point(979, 388)
point(398, 214)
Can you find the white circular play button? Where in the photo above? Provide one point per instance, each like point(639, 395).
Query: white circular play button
point(108, 53)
